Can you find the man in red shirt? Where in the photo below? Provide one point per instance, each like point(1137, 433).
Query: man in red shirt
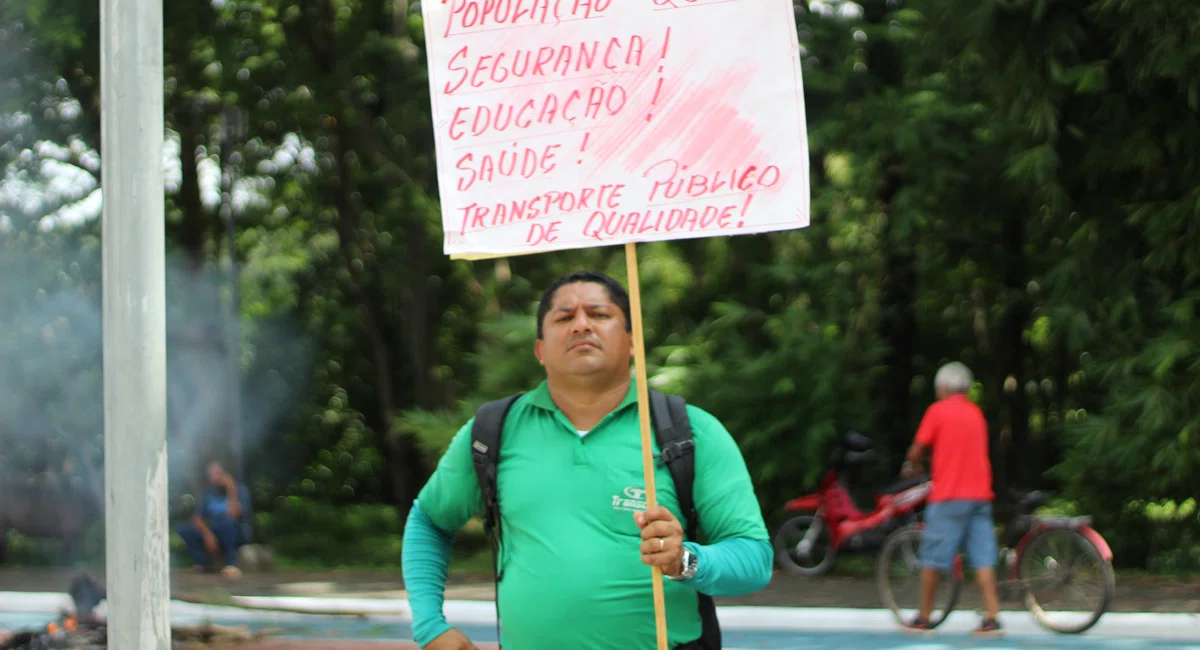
point(959, 513)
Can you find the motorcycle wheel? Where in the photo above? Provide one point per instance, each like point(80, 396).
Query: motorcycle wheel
point(814, 563)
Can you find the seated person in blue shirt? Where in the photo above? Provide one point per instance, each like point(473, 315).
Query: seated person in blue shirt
point(221, 522)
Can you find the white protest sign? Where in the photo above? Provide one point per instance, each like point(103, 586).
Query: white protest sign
point(576, 123)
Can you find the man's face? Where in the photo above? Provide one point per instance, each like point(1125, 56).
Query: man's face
point(584, 333)
point(215, 473)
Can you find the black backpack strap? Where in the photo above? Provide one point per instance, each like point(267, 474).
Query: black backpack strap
point(485, 450)
point(673, 432)
point(668, 413)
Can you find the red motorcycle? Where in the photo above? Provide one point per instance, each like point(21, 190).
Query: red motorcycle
point(808, 544)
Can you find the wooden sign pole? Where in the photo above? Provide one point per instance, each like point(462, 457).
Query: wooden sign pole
point(643, 390)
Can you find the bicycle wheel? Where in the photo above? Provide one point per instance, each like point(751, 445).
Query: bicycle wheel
point(898, 577)
point(1057, 565)
point(798, 558)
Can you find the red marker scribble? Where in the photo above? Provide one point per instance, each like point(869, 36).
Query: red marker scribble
point(699, 120)
point(624, 131)
point(699, 126)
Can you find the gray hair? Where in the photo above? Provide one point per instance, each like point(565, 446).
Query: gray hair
point(954, 377)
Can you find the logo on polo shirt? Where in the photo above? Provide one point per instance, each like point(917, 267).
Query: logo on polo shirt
point(631, 499)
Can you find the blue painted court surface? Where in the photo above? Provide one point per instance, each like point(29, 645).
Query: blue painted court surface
point(317, 627)
point(743, 628)
point(799, 640)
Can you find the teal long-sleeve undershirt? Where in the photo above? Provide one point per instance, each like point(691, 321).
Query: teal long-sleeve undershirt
point(425, 561)
point(731, 567)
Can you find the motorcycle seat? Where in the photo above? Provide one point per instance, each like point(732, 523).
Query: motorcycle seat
point(901, 485)
point(1028, 501)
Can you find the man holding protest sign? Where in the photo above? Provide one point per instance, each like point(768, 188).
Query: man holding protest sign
point(562, 125)
point(577, 535)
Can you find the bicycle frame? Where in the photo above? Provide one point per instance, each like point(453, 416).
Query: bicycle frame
point(1025, 528)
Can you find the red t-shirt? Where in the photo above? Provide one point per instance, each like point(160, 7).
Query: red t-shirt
point(957, 431)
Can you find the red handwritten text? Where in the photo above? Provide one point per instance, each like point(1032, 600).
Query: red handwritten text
point(604, 225)
point(478, 217)
point(671, 4)
point(591, 103)
point(525, 163)
point(485, 14)
point(546, 61)
point(539, 233)
point(671, 182)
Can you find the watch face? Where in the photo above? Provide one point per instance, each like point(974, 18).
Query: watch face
point(689, 567)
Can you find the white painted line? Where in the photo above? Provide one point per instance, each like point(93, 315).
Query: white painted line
point(480, 612)
point(1114, 624)
point(369, 606)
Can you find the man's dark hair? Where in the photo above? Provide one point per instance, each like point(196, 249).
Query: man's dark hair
point(616, 293)
point(222, 461)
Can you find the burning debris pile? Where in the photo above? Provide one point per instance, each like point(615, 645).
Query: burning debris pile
point(73, 634)
point(83, 630)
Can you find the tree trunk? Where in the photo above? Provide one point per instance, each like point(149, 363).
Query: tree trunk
point(201, 344)
point(193, 229)
point(1015, 456)
point(898, 324)
point(402, 454)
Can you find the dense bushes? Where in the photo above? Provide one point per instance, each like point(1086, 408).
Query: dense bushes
point(309, 533)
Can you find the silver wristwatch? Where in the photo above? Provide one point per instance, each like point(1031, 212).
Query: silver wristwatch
point(689, 566)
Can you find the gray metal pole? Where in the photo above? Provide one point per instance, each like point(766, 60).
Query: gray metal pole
point(135, 344)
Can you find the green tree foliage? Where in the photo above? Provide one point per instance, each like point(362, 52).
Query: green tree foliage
point(1004, 182)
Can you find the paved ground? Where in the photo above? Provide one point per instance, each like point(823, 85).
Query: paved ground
point(801, 629)
point(816, 623)
point(876, 633)
point(1134, 594)
point(278, 644)
point(339, 645)
point(810, 642)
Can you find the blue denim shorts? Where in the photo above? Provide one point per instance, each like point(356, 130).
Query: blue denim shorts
point(954, 525)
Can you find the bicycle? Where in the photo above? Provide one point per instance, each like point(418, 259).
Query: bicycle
point(1023, 535)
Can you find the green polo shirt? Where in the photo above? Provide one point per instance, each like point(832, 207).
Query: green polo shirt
point(573, 575)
